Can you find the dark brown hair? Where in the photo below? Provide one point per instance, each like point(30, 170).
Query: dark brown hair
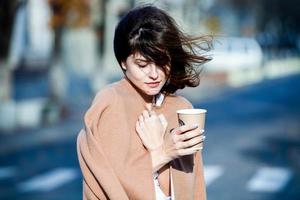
point(155, 35)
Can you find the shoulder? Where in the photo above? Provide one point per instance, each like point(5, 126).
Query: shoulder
point(186, 103)
point(104, 99)
point(179, 101)
point(106, 95)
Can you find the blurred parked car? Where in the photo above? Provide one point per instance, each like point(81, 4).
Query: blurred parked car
point(234, 53)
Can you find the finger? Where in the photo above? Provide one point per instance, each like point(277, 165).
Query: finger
point(188, 143)
point(200, 144)
point(137, 127)
point(140, 131)
point(163, 119)
point(141, 119)
point(189, 151)
point(152, 113)
point(149, 107)
point(203, 137)
point(202, 132)
point(196, 148)
point(184, 128)
point(192, 142)
point(146, 114)
point(190, 134)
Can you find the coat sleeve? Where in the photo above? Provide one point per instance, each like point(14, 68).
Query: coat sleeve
point(99, 179)
point(200, 188)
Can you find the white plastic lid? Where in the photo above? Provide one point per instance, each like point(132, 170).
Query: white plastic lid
point(191, 111)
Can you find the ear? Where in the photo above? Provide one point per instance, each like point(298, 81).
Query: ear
point(123, 65)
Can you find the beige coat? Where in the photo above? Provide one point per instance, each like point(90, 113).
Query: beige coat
point(115, 164)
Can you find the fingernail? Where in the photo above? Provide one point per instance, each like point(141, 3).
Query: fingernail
point(203, 137)
point(199, 148)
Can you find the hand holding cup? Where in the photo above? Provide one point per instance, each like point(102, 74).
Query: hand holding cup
point(193, 117)
point(165, 146)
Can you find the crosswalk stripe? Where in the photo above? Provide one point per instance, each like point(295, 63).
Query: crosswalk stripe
point(7, 172)
point(269, 179)
point(49, 181)
point(211, 173)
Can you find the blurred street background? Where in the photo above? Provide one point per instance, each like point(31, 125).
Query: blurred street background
point(56, 54)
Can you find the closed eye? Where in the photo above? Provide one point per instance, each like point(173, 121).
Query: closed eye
point(141, 63)
point(142, 66)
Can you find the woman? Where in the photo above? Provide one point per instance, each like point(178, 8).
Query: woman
point(132, 147)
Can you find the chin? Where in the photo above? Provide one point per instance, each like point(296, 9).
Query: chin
point(153, 92)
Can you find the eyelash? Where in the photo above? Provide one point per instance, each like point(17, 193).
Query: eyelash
point(142, 66)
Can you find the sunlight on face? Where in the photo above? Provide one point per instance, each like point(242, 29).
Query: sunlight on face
point(145, 75)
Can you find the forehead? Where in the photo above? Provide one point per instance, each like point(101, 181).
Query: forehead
point(138, 56)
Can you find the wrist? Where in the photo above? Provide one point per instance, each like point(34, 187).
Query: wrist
point(159, 158)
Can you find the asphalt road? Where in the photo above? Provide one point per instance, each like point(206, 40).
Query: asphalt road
point(253, 134)
point(252, 150)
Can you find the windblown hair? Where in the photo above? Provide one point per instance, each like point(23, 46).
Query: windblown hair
point(155, 35)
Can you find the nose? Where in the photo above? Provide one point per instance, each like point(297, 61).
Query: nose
point(153, 74)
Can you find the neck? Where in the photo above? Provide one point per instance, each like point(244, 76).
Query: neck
point(147, 98)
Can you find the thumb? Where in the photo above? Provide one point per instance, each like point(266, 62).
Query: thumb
point(138, 128)
point(163, 120)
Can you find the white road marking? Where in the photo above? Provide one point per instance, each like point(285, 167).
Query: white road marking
point(49, 181)
point(211, 173)
point(7, 172)
point(269, 179)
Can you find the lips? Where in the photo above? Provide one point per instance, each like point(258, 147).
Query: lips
point(153, 84)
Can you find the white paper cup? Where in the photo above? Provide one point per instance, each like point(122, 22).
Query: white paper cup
point(192, 117)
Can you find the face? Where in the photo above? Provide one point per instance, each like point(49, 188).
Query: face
point(145, 75)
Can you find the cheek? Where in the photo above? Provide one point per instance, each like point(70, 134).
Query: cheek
point(163, 75)
point(135, 74)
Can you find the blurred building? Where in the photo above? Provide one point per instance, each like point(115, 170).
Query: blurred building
point(25, 65)
point(51, 48)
